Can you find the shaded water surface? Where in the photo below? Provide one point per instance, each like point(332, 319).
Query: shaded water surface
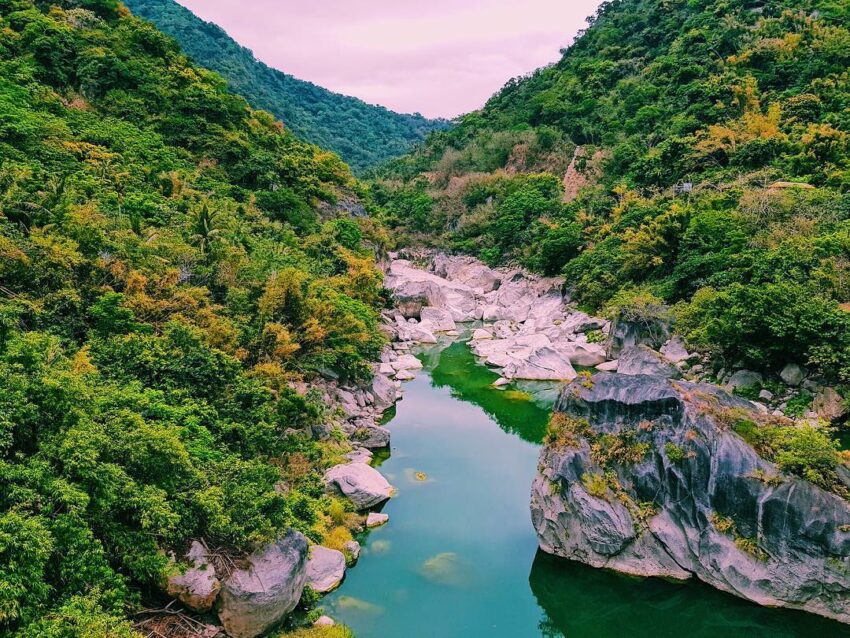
point(459, 555)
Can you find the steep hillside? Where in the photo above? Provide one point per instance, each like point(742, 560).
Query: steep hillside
point(164, 279)
point(692, 152)
point(364, 135)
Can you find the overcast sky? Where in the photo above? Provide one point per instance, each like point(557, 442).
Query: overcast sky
point(438, 57)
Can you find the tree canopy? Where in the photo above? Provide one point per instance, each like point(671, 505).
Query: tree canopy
point(364, 135)
point(165, 277)
point(695, 150)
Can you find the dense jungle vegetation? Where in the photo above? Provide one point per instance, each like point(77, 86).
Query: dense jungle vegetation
point(364, 135)
point(695, 152)
point(164, 276)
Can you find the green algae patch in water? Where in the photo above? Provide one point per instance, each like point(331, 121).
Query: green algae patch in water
point(516, 395)
point(459, 557)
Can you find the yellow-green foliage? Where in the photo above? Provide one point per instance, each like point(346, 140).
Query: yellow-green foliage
point(674, 452)
point(164, 278)
point(596, 484)
point(565, 431)
point(723, 524)
point(622, 448)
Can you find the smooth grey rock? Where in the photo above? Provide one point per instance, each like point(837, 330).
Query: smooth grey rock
point(376, 519)
point(412, 286)
point(372, 437)
point(362, 484)
point(197, 587)
point(792, 374)
point(405, 375)
point(479, 334)
point(416, 333)
point(802, 532)
point(360, 455)
point(583, 354)
point(744, 379)
point(766, 395)
point(324, 621)
point(467, 271)
point(259, 596)
point(674, 351)
point(544, 364)
point(501, 381)
point(642, 360)
point(325, 569)
point(384, 391)
point(579, 322)
point(438, 319)
point(609, 366)
point(406, 362)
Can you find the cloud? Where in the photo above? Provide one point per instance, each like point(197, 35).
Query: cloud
point(438, 57)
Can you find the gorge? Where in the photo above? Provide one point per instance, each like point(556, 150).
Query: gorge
point(575, 364)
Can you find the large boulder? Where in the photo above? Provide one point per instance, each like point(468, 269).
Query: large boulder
point(583, 354)
point(643, 475)
point(544, 364)
point(829, 405)
point(325, 569)
point(371, 437)
point(197, 586)
point(467, 271)
point(412, 285)
point(792, 374)
point(406, 362)
point(416, 332)
point(652, 330)
point(642, 360)
point(259, 595)
point(674, 351)
point(384, 391)
point(438, 319)
point(362, 484)
point(744, 380)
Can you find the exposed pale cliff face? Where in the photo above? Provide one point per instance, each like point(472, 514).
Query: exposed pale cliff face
point(673, 491)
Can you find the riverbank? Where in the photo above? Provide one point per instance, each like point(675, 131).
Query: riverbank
point(529, 341)
point(477, 446)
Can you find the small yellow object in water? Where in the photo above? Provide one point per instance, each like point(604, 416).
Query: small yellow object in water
point(421, 476)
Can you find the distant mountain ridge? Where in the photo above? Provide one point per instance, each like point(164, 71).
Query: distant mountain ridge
point(364, 135)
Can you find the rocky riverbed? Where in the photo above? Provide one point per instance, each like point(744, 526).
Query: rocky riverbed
point(528, 329)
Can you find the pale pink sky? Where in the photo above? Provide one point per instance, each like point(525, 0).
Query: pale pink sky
point(438, 57)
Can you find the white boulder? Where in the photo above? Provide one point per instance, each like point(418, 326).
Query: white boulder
point(362, 484)
point(325, 569)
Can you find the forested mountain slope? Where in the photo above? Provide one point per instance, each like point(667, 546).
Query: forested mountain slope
point(164, 277)
point(365, 135)
point(695, 152)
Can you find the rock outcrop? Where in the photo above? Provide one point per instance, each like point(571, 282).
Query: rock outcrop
point(259, 595)
point(647, 331)
point(642, 360)
point(644, 475)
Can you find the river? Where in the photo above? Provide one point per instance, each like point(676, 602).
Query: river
point(459, 556)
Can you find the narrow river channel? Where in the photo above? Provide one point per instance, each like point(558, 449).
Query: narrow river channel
point(459, 556)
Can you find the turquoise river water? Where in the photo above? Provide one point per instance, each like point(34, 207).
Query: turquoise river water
point(459, 556)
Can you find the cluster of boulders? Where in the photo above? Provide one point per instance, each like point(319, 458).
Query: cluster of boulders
point(644, 475)
point(250, 596)
point(263, 588)
point(529, 331)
